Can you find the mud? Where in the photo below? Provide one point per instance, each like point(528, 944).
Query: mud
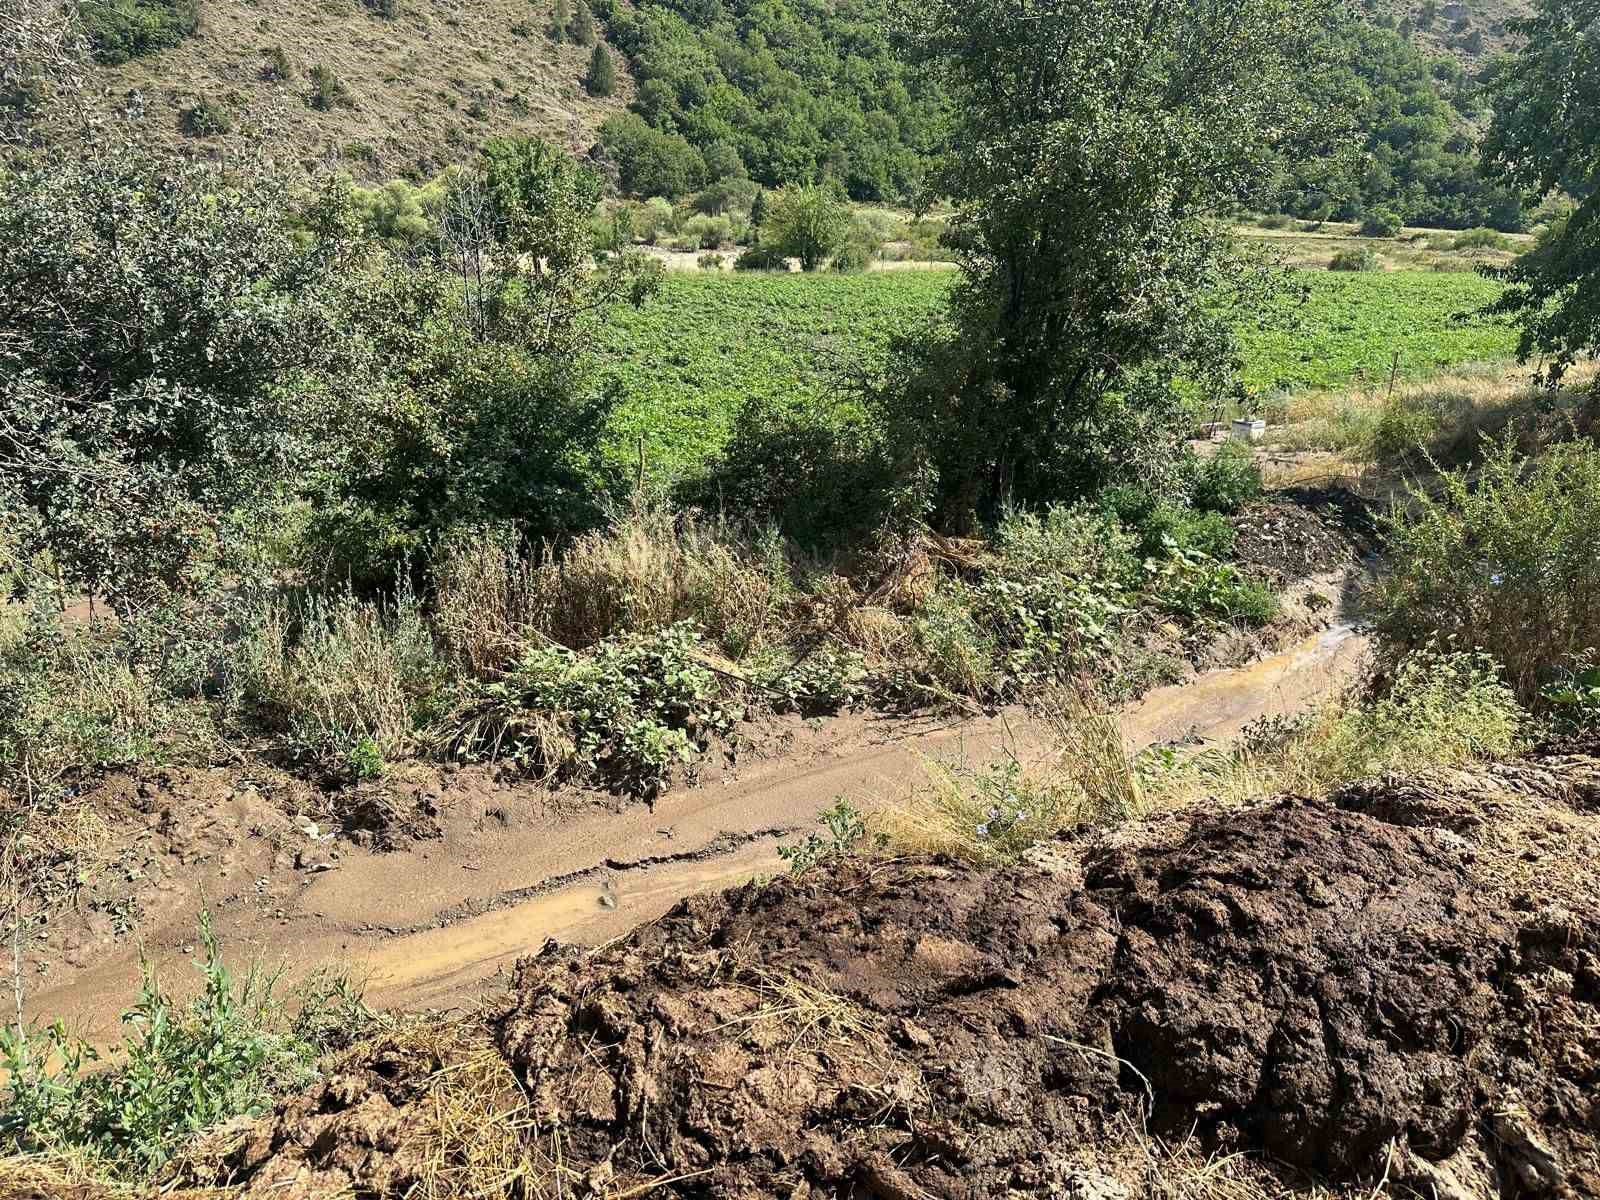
point(439, 920)
point(1398, 984)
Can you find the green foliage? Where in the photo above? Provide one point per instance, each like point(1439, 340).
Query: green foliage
point(182, 1069)
point(1545, 137)
point(167, 358)
point(560, 19)
point(580, 28)
point(486, 411)
point(844, 833)
point(629, 710)
point(808, 222)
point(797, 90)
point(328, 91)
point(681, 381)
point(1573, 698)
point(77, 699)
point(1228, 480)
point(1380, 223)
point(652, 162)
point(123, 29)
point(348, 684)
point(1413, 116)
point(205, 118)
point(1501, 558)
point(1356, 258)
point(763, 257)
point(601, 77)
point(1092, 147)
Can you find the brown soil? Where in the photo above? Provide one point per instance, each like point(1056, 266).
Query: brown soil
point(1400, 982)
point(1301, 532)
point(432, 882)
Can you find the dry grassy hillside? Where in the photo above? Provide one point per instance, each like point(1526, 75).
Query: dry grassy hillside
point(1454, 23)
point(424, 87)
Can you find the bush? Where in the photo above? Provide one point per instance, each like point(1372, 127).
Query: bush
point(1501, 558)
point(1381, 223)
point(206, 118)
point(652, 163)
point(327, 90)
point(1359, 258)
point(629, 711)
point(123, 29)
point(1228, 480)
point(711, 262)
point(601, 77)
point(1481, 239)
point(276, 64)
point(761, 258)
point(349, 682)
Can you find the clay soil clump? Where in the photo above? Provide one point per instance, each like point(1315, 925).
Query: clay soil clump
point(1396, 983)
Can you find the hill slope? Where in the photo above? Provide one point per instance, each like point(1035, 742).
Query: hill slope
point(425, 87)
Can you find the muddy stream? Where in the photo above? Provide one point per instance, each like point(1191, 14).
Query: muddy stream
point(439, 924)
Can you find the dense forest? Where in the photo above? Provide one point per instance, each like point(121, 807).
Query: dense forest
point(785, 92)
point(792, 92)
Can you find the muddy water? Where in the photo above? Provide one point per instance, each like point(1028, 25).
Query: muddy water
point(439, 925)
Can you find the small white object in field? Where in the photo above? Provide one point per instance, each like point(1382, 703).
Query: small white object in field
point(1247, 430)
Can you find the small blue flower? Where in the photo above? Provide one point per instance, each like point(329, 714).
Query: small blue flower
point(1497, 579)
point(983, 830)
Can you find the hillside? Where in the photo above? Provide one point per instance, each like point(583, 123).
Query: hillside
point(424, 87)
point(1470, 31)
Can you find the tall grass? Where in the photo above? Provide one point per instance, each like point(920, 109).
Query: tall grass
point(1439, 708)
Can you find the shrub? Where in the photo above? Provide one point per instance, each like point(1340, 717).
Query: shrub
point(809, 222)
point(761, 258)
point(1228, 480)
point(1437, 708)
point(389, 9)
point(1501, 558)
point(205, 118)
point(1381, 223)
point(1573, 698)
point(75, 699)
point(629, 711)
point(348, 681)
point(276, 64)
point(123, 29)
point(1275, 221)
point(327, 90)
point(711, 262)
point(601, 77)
point(1357, 258)
point(1481, 239)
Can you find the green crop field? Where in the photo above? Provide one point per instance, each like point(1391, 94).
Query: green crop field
point(683, 364)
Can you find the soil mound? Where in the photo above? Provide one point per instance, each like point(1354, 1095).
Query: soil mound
point(1300, 532)
point(1398, 982)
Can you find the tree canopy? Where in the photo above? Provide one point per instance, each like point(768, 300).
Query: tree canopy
point(1545, 137)
point(1094, 143)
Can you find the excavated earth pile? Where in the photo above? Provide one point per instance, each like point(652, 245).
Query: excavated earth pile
point(1396, 983)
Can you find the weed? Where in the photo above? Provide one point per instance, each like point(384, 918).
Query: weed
point(844, 833)
point(628, 710)
point(181, 1069)
point(328, 91)
point(1501, 558)
point(1357, 258)
point(1573, 698)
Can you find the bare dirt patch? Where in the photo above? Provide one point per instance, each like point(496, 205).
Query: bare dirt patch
point(1377, 985)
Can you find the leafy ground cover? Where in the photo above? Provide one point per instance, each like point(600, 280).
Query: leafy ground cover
point(684, 364)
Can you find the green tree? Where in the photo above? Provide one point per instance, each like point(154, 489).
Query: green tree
point(168, 364)
point(601, 77)
point(560, 18)
point(1095, 147)
point(581, 27)
point(808, 222)
point(1545, 137)
point(486, 408)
